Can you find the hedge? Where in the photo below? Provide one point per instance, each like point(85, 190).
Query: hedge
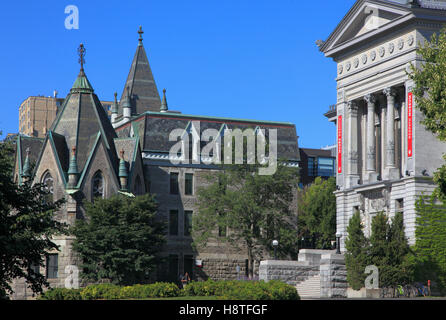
point(231, 290)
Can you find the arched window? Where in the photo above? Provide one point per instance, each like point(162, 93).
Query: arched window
point(97, 185)
point(48, 186)
point(138, 186)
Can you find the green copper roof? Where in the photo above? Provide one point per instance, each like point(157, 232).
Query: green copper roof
point(82, 84)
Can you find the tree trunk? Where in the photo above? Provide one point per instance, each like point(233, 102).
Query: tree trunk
point(250, 263)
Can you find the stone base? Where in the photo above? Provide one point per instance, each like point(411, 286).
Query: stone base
point(391, 173)
point(352, 180)
point(363, 293)
point(372, 177)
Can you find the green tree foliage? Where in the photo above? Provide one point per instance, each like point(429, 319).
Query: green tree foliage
point(356, 257)
point(430, 246)
point(317, 212)
point(430, 94)
point(120, 239)
point(247, 210)
point(387, 249)
point(26, 227)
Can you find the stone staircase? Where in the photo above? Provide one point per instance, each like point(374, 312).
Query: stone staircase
point(310, 288)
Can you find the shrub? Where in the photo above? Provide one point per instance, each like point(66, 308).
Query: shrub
point(233, 290)
point(101, 291)
point(243, 290)
point(61, 294)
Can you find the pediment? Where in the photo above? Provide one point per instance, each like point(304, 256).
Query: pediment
point(365, 18)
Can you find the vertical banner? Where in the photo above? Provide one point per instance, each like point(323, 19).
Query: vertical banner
point(339, 144)
point(409, 124)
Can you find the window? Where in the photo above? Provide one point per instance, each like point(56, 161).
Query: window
point(325, 167)
point(35, 267)
point(399, 205)
point(187, 222)
point(52, 266)
point(47, 181)
point(98, 185)
point(188, 184)
point(173, 222)
point(311, 166)
point(174, 183)
point(173, 267)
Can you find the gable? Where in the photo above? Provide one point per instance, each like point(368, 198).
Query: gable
point(364, 20)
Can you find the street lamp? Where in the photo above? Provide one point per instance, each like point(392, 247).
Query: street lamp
point(275, 244)
point(338, 242)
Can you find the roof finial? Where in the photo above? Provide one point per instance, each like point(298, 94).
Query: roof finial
point(81, 51)
point(164, 102)
point(140, 35)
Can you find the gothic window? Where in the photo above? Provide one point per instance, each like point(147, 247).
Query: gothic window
point(48, 186)
point(98, 185)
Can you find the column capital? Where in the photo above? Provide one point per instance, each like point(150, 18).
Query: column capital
point(370, 98)
point(389, 92)
point(352, 106)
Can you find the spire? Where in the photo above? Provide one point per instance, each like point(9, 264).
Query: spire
point(123, 173)
point(164, 102)
point(126, 105)
point(26, 168)
point(140, 36)
point(72, 170)
point(81, 84)
point(115, 104)
point(141, 83)
point(73, 162)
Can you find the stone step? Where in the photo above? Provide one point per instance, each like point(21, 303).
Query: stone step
point(310, 288)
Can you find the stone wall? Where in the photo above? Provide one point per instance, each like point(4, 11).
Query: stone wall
point(333, 276)
point(291, 272)
point(311, 264)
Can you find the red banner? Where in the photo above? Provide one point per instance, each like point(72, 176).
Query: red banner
point(409, 124)
point(339, 144)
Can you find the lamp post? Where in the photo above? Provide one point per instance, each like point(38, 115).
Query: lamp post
point(275, 244)
point(338, 242)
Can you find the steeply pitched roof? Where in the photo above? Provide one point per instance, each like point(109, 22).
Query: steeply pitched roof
point(141, 84)
point(156, 127)
point(80, 119)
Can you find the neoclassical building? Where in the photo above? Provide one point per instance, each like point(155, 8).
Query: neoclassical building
point(86, 155)
point(385, 156)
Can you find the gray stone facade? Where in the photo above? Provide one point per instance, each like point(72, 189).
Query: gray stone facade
point(386, 157)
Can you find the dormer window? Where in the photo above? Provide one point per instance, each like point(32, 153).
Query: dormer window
point(98, 185)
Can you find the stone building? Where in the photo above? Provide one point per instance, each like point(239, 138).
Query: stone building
point(385, 157)
point(84, 153)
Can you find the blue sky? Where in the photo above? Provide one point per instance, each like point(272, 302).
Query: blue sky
point(252, 59)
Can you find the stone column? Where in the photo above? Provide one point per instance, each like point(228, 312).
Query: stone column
point(371, 147)
point(390, 172)
point(352, 136)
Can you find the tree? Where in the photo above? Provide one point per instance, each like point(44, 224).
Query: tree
point(430, 94)
point(387, 249)
point(430, 247)
point(317, 212)
point(26, 227)
point(120, 239)
point(247, 210)
point(356, 257)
